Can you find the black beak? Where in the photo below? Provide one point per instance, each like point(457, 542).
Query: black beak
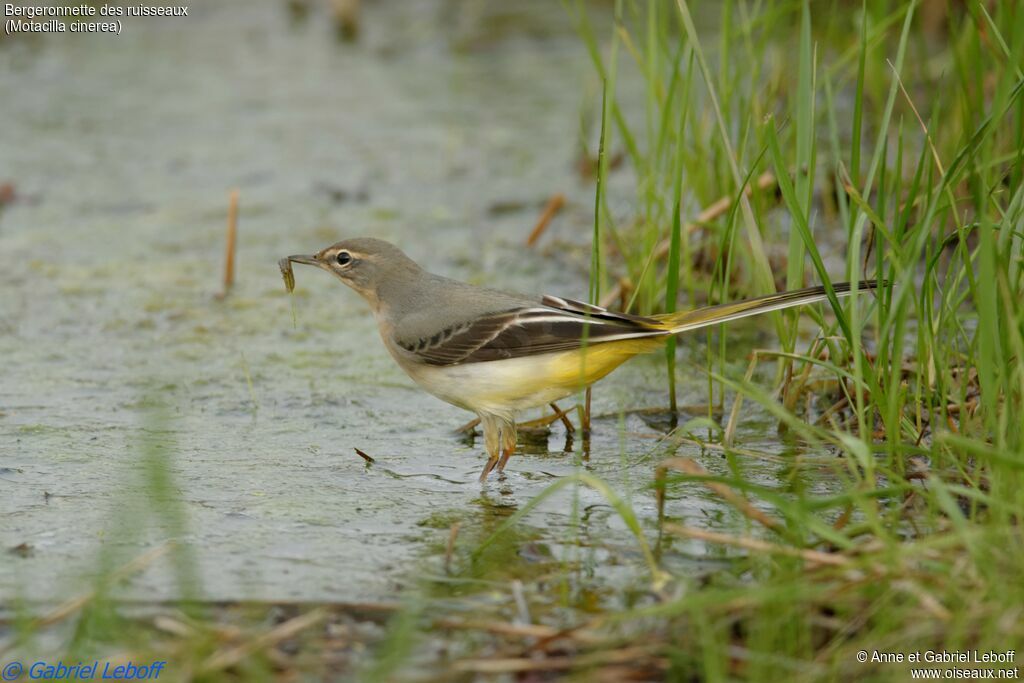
point(307, 260)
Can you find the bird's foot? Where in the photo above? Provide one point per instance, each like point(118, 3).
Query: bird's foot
point(505, 455)
point(491, 462)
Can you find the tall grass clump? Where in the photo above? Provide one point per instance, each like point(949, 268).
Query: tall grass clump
point(888, 167)
point(894, 136)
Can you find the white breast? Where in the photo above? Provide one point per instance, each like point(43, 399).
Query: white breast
point(499, 387)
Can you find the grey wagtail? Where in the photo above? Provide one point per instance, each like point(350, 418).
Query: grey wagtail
point(496, 353)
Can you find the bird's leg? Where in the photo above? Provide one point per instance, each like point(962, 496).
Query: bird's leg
point(508, 443)
point(491, 462)
point(492, 442)
point(505, 455)
point(500, 440)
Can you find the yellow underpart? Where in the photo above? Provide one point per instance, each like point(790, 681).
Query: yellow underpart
point(502, 387)
point(581, 368)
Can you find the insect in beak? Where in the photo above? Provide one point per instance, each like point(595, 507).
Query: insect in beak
point(285, 265)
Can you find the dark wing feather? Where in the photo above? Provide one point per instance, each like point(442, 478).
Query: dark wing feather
point(558, 325)
point(599, 312)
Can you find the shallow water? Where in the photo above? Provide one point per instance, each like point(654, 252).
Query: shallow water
point(444, 129)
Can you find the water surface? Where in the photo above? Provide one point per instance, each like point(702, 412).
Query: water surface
point(444, 129)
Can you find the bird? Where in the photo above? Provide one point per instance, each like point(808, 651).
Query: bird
point(497, 353)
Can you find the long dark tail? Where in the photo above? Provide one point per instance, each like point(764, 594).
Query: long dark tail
point(684, 321)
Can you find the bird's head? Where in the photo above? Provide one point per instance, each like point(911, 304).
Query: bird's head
point(364, 264)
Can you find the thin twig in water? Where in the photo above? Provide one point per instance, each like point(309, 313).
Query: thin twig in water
point(232, 238)
point(692, 468)
point(561, 414)
point(364, 456)
point(734, 415)
point(553, 206)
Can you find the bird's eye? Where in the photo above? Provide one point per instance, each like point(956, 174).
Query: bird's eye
point(344, 258)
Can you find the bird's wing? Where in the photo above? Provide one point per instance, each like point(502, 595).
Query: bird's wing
point(554, 325)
